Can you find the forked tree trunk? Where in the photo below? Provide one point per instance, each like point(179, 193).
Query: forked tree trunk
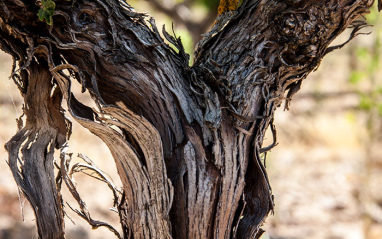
point(187, 140)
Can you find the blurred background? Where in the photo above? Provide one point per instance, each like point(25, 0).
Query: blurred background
point(326, 172)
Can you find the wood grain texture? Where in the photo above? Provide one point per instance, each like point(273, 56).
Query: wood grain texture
point(186, 140)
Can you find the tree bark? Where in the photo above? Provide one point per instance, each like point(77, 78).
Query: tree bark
point(187, 140)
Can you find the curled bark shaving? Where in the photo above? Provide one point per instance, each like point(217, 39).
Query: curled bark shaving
point(186, 140)
point(84, 213)
point(98, 174)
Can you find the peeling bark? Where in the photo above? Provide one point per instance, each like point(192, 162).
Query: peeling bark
point(31, 151)
point(186, 140)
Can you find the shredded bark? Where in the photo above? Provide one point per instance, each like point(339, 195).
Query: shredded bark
point(187, 140)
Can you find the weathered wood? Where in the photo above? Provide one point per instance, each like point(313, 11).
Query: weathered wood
point(31, 151)
point(186, 140)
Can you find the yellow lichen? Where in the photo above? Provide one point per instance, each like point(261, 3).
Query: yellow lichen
point(227, 6)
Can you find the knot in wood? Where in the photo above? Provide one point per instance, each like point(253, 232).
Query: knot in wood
point(297, 31)
point(85, 19)
point(295, 27)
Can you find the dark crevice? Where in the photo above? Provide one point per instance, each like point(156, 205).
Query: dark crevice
point(236, 219)
point(185, 181)
point(137, 148)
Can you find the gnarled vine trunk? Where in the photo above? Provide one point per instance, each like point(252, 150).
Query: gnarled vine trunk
point(187, 140)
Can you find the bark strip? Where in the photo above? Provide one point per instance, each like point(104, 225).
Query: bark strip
point(31, 151)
